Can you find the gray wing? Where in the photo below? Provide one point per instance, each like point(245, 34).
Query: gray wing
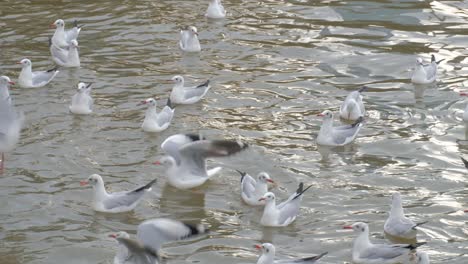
point(308, 260)
point(289, 210)
point(126, 198)
point(59, 54)
point(41, 78)
point(172, 144)
point(184, 36)
point(193, 92)
point(154, 233)
point(248, 185)
point(400, 226)
point(383, 252)
point(165, 116)
point(431, 70)
point(194, 154)
point(341, 133)
point(72, 33)
point(137, 253)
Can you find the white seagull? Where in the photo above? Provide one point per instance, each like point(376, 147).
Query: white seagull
point(187, 156)
point(5, 83)
point(62, 38)
point(132, 251)
point(338, 135)
point(28, 78)
point(10, 127)
point(465, 113)
point(422, 258)
point(187, 95)
point(114, 202)
point(353, 107)
point(364, 252)
point(189, 40)
point(425, 73)
point(268, 256)
point(82, 102)
point(252, 190)
point(154, 121)
point(397, 224)
point(65, 57)
point(215, 10)
point(284, 213)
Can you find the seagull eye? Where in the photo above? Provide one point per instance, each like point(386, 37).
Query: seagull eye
point(267, 250)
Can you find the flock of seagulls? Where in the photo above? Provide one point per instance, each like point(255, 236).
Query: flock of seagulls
point(186, 156)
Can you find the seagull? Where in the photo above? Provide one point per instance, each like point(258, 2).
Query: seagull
point(422, 258)
point(10, 127)
point(397, 224)
point(215, 10)
point(154, 121)
point(5, 83)
point(187, 95)
point(82, 102)
point(364, 252)
point(66, 57)
point(252, 190)
point(62, 38)
point(353, 107)
point(465, 113)
point(132, 251)
point(29, 79)
point(268, 256)
point(338, 135)
point(284, 213)
point(425, 73)
point(114, 202)
point(187, 156)
point(189, 40)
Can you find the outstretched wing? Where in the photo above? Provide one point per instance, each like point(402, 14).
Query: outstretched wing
point(173, 143)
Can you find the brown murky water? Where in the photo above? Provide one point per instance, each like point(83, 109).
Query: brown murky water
point(274, 65)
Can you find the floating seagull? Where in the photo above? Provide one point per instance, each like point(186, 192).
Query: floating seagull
point(352, 107)
point(133, 252)
point(252, 190)
point(82, 102)
point(5, 83)
point(155, 232)
point(10, 127)
point(425, 73)
point(215, 10)
point(364, 252)
point(339, 135)
point(154, 121)
point(397, 224)
point(268, 256)
point(284, 213)
point(189, 40)
point(65, 57)
point(188, 95)
point(29, 79)
point(422, 258)
point(62, 38)
point(187, 156)
point(114, 202)
point(465, 113)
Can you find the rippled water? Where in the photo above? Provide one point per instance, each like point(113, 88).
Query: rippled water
point(274, 65)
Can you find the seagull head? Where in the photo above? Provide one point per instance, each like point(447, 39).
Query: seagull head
point(149, 102)
point(83, 86)
point(358, 227)
point(5, 80)
point(74, 43)
point(327, 114)
point(266, 248)
point(419, 61)
point(178, 79)
point(92, 180)
point(165, 161)
point(269, 196)
point(396, 197)
point(25, 62)
point(192, 30)
point(264, 177)
point(121, 234)
point(59, 23)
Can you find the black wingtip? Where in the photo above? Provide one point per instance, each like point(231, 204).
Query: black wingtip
point(194, 137)
point(433, 58)
point(196, 229)
point(53, 69)
point(50, 42)
point(89, 85)
point(147, 186)
point(363, 89)
point(418, 224)
point(464, 162)
point(358, 121)
point(75, 24)
point(242, 174)
point(169, 103)
point(300, 190)
point(415, 245)
point(204, 84)
point(315, 257)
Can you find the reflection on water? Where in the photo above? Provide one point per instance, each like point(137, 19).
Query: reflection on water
point(274, 65)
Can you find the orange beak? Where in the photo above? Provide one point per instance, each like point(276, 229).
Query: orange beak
point(157, 163)
point(463, 94)
point(320, 114)
point(347, 227)
point(84, 183)
point(270, 180)
point(258, 246)
point(261, 199)
point(113, 235)
point(142, 103)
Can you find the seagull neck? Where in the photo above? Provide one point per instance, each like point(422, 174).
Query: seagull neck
point(73, 55)
point(4, 93)
point(151, 110)
point(270, 205)
point(361, 241)
point(178, 86)
point(59, 32)
point(327, 125)
point(99, 191)
point(26, 72)
point(266, 259)
point(397, 209)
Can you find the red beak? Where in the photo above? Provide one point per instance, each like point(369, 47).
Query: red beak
point(157, 163)
point(113, 235)
point(12, 83)
point(347, 227)
point(52, 25)
point(258, 246)
point(466, 211)
point(320, 114)
point(270, 180)
point(84, 183)
point(19, 62)
point(142, 103)
point(261, 199)
point(463, 94)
